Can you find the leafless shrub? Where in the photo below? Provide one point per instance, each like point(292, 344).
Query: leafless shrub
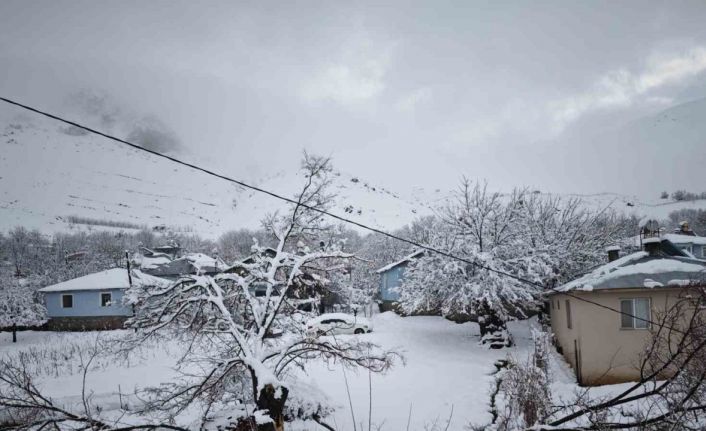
point(524, 388)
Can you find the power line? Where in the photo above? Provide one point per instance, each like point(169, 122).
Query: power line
point(321, 211)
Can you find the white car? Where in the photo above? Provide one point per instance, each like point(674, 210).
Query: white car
point(338, 323)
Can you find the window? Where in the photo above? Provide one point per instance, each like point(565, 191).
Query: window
point(686, 247)
point(703, 251)
point(106, 299)
point(636, 313)
point(568, 314)
point(67, 301)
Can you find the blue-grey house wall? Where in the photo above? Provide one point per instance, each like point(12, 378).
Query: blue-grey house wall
point(698, 250)
point(86, 303)
point(389, 280)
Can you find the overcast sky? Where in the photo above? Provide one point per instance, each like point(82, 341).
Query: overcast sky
point(406, 94)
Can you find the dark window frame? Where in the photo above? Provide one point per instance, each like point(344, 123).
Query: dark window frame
point(110, 299)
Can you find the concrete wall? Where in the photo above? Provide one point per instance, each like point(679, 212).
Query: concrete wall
point(605, 352)
point(86, 303)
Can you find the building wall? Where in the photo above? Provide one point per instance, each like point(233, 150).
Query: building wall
point(698, 250)
point(605, 352)
point(389, 280)
point(86, 303)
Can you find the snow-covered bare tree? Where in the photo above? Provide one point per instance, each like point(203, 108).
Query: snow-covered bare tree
point(244, 329)
point(484, 229)
point(19, 307)
point(517, 245)
point(237, 244)
point(24, 248)
point(572, 236)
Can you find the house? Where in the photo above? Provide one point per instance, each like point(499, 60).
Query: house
point(604, 346)
point(149, 259)
point(94, 301)
point(161, 265)
point(304, 286)
point(391, 278)
point(685, 238)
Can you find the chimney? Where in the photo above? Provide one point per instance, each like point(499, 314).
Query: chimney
point(684, 229)
point(652, 245)
point(613, 253)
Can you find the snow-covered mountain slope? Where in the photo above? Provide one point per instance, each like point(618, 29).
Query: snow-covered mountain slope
point(661, 151)
point(49, 172)
point(652, 207)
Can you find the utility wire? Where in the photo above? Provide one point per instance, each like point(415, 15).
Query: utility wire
point(326, 213)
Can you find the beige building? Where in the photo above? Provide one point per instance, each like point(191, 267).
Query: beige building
point(604, 346)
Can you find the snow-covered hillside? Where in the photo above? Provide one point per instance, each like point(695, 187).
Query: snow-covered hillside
point(652, 207)
point(50, 172)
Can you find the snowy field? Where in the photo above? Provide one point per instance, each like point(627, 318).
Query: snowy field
point(447, 375)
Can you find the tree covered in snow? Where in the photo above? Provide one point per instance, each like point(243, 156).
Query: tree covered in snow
point(514, 246)
point(572, 236)
point(244, 329)
point(694, 216)
point(482, 228)
point(24, 248)
point(19, 307)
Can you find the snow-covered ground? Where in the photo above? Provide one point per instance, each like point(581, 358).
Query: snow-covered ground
point(445, 370)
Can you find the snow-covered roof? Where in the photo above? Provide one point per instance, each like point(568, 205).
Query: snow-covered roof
point(115, 278)
point(149, 262)
point(640, 270)
point(685, 239)
point(401, 261)
point(200, 260)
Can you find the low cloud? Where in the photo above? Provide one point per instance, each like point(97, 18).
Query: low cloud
point(102, 111)
point(152, 134)
point(622, 88)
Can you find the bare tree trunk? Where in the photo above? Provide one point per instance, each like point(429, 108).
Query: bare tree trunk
point(493, 330)
point(14, 333)
point(269, 399)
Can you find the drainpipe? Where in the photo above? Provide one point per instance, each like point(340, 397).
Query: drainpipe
point(127, 260)
point(129, 278)
point(577, 361)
